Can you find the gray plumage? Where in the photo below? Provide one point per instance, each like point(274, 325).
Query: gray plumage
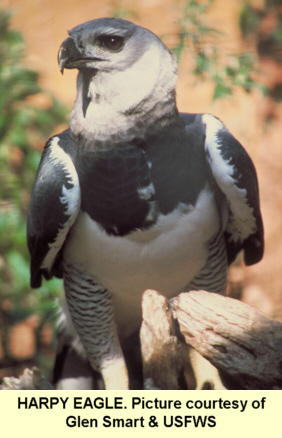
point(135, 195)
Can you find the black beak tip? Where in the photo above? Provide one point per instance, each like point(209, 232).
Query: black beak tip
point(68, 54)
point(62, 58)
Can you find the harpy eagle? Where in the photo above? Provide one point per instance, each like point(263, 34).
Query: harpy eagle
point(134, 195)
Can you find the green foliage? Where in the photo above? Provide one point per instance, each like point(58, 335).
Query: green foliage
point(236, 72)
point(24, 129)
point(262, 29)
point(201, 39)
point(249, 19)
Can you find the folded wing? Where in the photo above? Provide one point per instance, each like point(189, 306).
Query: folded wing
point(235, 175)
point(53, 209)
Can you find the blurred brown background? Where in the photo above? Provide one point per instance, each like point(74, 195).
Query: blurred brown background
point(254, 119)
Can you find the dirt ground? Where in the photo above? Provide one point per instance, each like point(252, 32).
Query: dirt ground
point(44, 25)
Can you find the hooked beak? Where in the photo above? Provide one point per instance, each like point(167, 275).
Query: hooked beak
point(70, 57)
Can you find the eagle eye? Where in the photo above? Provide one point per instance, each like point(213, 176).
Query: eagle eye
point(112, 42)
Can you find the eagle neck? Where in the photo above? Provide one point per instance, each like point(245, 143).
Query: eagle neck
point(96, 119)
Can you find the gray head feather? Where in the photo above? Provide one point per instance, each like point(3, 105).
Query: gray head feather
point(126, 78)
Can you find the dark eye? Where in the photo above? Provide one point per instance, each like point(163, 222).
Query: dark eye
point(112, 42)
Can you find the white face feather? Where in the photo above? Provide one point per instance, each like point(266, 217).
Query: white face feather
point(125, 80)
point(241, 223)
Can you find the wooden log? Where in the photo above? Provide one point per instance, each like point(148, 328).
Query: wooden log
point(161, 350)
point(242, 343)
point(30, 379)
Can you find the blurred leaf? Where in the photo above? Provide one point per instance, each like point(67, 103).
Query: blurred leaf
point(33, 160)
point(24, 128)
point(200, 39)
point(249, 19)
point(20, 269)
point(221, 90)
point(203, 64)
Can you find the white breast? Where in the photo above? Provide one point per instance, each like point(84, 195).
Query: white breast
point(165, 258)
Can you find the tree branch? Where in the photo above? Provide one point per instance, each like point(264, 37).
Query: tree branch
point(241, 342)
